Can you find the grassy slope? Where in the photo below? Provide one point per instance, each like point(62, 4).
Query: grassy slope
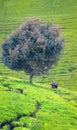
point(59, 12)
point(56, 109)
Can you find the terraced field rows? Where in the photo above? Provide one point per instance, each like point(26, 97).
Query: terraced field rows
point(38, 107)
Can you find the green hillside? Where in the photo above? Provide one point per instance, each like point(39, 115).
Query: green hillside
point(61, 12)
point(38, 107)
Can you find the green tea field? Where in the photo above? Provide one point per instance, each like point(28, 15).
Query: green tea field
point(25, 106)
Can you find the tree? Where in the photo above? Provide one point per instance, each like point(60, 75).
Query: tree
point(34, 47)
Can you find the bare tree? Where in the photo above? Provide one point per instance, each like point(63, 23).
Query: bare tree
point(34, 47)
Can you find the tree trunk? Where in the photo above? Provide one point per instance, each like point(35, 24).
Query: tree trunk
point(31, 78)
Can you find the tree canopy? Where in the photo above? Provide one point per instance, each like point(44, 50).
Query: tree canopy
point(34, 47)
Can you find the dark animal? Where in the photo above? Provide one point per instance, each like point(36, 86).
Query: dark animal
point(54, 84)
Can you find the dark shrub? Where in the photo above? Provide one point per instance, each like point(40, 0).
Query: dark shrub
point(34, 47)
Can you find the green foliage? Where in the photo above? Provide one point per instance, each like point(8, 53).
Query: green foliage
point(58, 107)
point(60, 12)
